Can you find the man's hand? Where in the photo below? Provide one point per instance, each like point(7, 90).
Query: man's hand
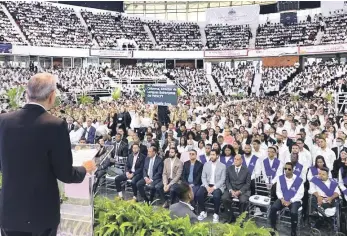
point(286, 203)
point(166, 188)
point(329, 199)
point(283, 202)
point(129, 176)
point(237, 193)
point(148, 180)
point(89, 166)
point(320, 201)
point(210, 190)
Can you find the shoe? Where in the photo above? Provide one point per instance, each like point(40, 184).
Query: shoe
point(215, 218)
point(135, 198)
point(166, 204)
point(202, 216)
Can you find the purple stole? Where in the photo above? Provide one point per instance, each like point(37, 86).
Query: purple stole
point(229, 163)
point(271, 170)
point(314, 170)
point(298, 169)
point(328, 191)
point(203, 159)
point(289, 193)
point(251, 164)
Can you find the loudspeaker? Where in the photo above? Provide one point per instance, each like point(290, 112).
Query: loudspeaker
point(170, 64)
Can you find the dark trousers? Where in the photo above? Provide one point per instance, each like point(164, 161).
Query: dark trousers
point(228, 202)
point(100, 173)
point(294, 209)
point(216, 196)
point(48, 232)
point(121, 178)
point(153, 187)
point(324, 205)
point(172, 191)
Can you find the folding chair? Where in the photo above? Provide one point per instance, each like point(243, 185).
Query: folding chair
point(261, 199)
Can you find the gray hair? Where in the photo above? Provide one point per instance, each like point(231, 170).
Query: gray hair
point(40, 86)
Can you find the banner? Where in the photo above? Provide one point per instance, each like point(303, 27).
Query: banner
point(227, 53)
point(5, 48)
point(323, 48)
point(110, 53)
point(328, 7)
point(242, 15)
point(288, 18)
point(162, 95)
point(273, 52)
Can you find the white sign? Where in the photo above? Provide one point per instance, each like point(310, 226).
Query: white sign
point(323, 48)
point(226, 53)
point(273, 52)
point(111, 53)
point(243, 15)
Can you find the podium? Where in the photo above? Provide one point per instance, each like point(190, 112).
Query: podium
point(77, 208)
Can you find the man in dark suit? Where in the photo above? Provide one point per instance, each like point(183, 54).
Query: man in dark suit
point(133, 170)
point(183, 207)
point(70, 125)
point(143, 148)
point(29, 200)
point(120, 147)
point(192, 171)
point(152, 175)
point(89, 132)
point(238, 184)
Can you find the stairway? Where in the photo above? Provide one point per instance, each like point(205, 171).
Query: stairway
point(150, 34)
point(215, 86)
point(256, 83)
point(289, 79)
point(203, 34)
point(254, 34)
point(171, 80)
point(15, 26)
point(319, 37)
point(83, 22)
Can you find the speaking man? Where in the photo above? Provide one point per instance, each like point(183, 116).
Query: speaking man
point(35, 151)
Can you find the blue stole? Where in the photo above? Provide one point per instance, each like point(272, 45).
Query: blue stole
point(251, 164)
point(271, 170)
point(298, 169)
point(229, 163)
point(314, 170)
point(203, 159)
point(289, 193)
point(328, 191)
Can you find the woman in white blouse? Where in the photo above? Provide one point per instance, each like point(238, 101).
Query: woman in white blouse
point(182, 147)
point(314, 170)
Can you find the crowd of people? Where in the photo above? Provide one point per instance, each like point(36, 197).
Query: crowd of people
point(7, 31)
point(176, 36)
point(209, 138)
point(193, 80)
point(46, 25)
point(234, 80)
point(117, 31)
point(275, 78)
point(272, 35)
point(138, 72)
point(227, 36)
point(324, 75)
point(334, 28)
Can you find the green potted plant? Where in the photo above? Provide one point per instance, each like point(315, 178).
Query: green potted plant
point(84, 99)
point(116, 94)
point(14, 95)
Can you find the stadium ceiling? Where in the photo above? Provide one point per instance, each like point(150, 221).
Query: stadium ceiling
point(180, 10)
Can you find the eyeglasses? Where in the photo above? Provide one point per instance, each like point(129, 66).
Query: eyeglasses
point(289, 169)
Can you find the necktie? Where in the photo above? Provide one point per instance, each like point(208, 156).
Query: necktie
point(237, 171)
point(116, 151)
point(150, 171)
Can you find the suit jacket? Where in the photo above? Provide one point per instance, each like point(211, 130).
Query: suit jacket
point(182, 210)
point(143, 150)
point(289, 142)
point(140, 161)
point(197, 172)
point(71, 127)
point(91, 134)
point(157, 168)
point(176, 171)
point(35, 151)
point(122, 149)
point(241, 182)
point(219, 175)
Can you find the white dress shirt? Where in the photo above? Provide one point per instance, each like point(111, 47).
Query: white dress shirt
point(298, 195)
point(134, 162)
point(172, 162)
point(262, 154)
point(212, 180)
point(279, 171)
point(314, 188)
point(283, 153)
point(305, 158)
point(75, 136)
point(257, 168)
